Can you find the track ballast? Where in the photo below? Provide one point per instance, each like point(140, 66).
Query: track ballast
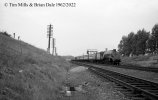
point(138, 88)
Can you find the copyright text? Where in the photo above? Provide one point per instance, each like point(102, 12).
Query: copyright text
point(40, 4)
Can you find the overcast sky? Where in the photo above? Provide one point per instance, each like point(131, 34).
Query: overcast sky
point(92, 24)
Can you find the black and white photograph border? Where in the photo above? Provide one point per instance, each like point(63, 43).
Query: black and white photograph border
point(78, 49)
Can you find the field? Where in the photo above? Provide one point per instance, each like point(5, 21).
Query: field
point(142, 60)
point(29, 73)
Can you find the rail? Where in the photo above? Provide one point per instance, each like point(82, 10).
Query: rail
point(142, 88)
point(134, 67)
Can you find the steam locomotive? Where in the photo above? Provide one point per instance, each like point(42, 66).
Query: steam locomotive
point(107, 56)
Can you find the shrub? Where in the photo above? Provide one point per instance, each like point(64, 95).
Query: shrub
point(5, 33)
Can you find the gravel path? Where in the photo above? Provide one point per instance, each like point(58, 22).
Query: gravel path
point(91, 86)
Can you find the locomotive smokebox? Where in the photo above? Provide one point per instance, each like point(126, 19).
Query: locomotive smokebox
point(114, 50)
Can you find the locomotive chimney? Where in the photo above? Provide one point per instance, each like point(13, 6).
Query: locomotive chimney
point(106, 49)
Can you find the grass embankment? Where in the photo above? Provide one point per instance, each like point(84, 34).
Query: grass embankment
point(142, 60)
point(29, 73)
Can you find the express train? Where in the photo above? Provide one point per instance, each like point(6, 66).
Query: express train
point(107, 56)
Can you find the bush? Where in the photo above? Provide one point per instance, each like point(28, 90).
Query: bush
point(5, 33)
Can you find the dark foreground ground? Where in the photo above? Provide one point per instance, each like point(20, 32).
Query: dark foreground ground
point(89, 86)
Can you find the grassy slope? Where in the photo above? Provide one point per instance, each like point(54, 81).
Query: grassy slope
point(145, 61)
point(29, 73)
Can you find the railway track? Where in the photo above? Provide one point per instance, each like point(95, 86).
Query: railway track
point(137, 89)
point(134, 67)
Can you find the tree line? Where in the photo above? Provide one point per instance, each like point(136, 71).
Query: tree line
point(139, 43)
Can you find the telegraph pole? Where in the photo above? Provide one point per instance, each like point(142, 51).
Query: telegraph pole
point(50, 33)
point(53, 47)
point(14, 35)
point(56, 51)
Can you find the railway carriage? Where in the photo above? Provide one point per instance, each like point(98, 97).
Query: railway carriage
point(109, 56)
